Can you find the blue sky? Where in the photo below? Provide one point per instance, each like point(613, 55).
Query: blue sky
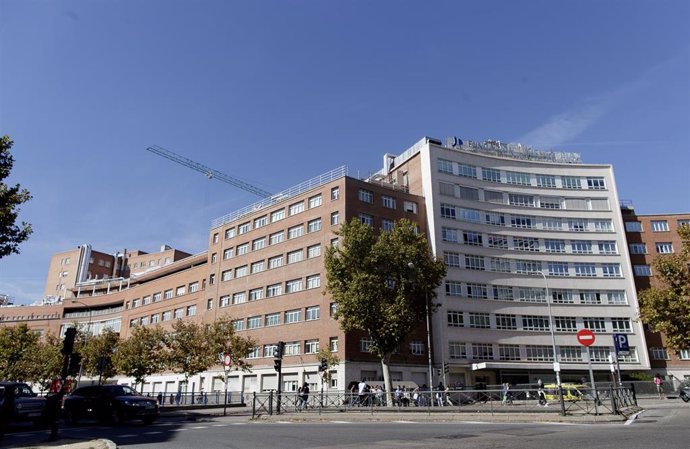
point(276, 92)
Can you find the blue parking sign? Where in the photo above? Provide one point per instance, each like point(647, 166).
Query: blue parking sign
point(620, 341)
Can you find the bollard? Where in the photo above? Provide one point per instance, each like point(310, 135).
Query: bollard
point(270, 403)
point(614, 409)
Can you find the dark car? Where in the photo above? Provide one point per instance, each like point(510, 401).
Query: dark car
point(109, 403)
point(18, 403)
point(684, 392)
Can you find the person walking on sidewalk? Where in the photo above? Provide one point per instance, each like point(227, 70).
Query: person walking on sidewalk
point(540, 393)
point(659, 382)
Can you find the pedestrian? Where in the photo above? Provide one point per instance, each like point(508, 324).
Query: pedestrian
point(540, 393)
point(505, 393)
point(440, 394)
point(303, 396)
point(362, 389)
point(160, 398)
point(172, 398)
point(659, 382)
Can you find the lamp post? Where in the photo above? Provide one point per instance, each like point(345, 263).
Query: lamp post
point(88, 330)
point(411, 266)
point(556, 364)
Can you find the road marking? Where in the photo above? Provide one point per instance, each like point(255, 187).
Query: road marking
point(283, 422)
point(155, 432)
point(405, 422)
point(341, 422)
point(127, 435)
point(199, 427)
point(221, 425)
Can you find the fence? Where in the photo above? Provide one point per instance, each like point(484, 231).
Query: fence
point(215, 399)
point(580, 400)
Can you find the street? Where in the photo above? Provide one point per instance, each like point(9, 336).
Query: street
point(662, 426)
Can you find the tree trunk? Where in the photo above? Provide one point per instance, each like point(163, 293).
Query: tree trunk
point(387, 379)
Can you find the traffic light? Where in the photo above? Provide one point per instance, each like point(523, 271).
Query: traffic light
point(438, 372)
point(446, 367)
point(68, 342)
point(323, 366)
point(280, 349)
point(74, 364)
point(277, 364)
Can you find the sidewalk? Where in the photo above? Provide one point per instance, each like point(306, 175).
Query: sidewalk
point(64, 443)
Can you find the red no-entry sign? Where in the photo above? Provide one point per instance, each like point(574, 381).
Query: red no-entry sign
point(586, 337)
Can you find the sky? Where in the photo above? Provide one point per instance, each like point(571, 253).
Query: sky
point(277, 92)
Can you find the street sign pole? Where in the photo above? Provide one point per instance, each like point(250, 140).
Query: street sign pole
point(225, 405)
point(591, 379)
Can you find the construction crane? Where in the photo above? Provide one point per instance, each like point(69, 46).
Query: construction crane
point(208, 171)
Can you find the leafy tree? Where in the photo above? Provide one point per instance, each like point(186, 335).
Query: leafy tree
point(225, 340)
point(142, 354)
point(103, 345)
point(48, 361)
point(11, 197)
point(666, 308)
point(331, 359)
point(382, 284)
point(18, 351)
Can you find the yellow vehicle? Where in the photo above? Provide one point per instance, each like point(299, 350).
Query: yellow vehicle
point(571, 392)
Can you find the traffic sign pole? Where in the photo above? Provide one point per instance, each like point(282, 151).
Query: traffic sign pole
point(591, 379)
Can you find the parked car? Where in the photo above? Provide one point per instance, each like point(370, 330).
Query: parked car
point(684, 392)
point(571, 392)
point(18, 403)
point(109, 403)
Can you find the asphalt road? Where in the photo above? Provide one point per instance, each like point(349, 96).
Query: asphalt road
point(662, 426)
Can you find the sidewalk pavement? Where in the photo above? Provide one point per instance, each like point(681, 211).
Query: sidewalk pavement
point(100, 443)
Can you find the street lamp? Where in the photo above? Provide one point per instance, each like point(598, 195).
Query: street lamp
point(88, 330)
point(556, 365)
point(410, 265)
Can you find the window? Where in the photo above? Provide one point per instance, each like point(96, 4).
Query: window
point(314, 201)
point(134, 322)
point(659, 226)
point(224, 301)
point(254, 353)
point(314, 225)
point(642, 270)
point(260, 222)
point(638, 248)
point(314, 281)
point(633, 226)
point(214, 257)
point(226, 275)
point(256, 294)
point(520, 221)
point(684, 354)
point(474, 262)
point(535, 323)
point(292, 348)
point(366, 219)
point(525, 244)
point(571, 182)
point(258, 267)
point(549, 203)
point(457, 350)
point(209, 304)
point(594, 324)
point(617, 297)
point(590, 297)
point(167, 315)
point(565, 324)
point(472, 238)
point(333, 344)
point(292, 316)
point(243, 228)
point(546, 181)
point(259, 244)
point(659, 354)
point(239, 298)
point(156, 297)
point(558, 269)
point(539, 353)
point(333, 308)
point(495, 219)
point(471, 215)
point(467, 193)
point(296, 208)
point(147, 299)
point(482, 351)
point(155, 318)
point(581, 246)
point(477, 291)
point(514, 177)
point(453, 288)
point(168, 294)
point(313, 251)
point(274, 290)
point(365, 344)
point(527, 266)
point(277, 215)
point(450, 234)
point(509, 352)
point(387, 225)
point(585, 270)
point(491, 174)
point(272, 319)
point(410, 206)
point(312, 313)
point(608, 247)
point(179, 313)
point(241, 271)
point(506, 322)
point(366, 196)
point(242, 249)
point(270, 350)
point(388, 201)
point(451, 259)
point(664, 247)
point(561, 297)
point(621, 325)
point(335, 218)
point(311, 346)
point(554, 246)
point(455, 319)
point(445, 166)
point(499, 265)
point(552, 224)
point(611, 270)
point(493, 197)
point(603, 226)
point(416, 347)
point(254, 322)
point(335, 193)
point(293, 286)
point(497, 241)
point(521, 200)
point(229, 233)
point(295, 231)
point(215, 238)
point(191, 310)
point(193, 288)
point(577, 225)
point(479, 320)
point(276, 237)
point(503, 293)
point(295, 256)
point(596, 184)
point(228, 253)
point(275, 262)
point(570, 353)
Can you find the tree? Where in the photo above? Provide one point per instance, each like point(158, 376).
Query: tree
point(331, 360)
point(226, 341)
point(142, 354)
point(100, 347)
point(48, 361)
point(11, 198)
point(382, 284)
point(666, 309)
point(18, 351)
